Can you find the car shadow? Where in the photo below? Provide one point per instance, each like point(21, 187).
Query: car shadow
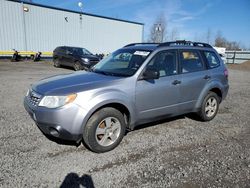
point(139, 127)
point(192, 116)
point(66, 67)
point(61, 141)
point(73, 180)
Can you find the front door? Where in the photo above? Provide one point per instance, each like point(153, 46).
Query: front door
point(159, 97)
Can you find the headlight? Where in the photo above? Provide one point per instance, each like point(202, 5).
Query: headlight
point(56, 101)
point(27, 92)
point(85, 60)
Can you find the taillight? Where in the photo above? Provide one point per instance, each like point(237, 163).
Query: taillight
point(226, 73)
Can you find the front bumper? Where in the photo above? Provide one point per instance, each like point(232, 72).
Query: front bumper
point(64, 123)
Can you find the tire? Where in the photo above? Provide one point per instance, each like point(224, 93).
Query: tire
point(85, 68)
point(104, 130)
point(210, 107)
point(56, 63)
point(77, 66)
point(14, 58)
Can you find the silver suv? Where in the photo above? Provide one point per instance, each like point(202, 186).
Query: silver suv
point(136, 84)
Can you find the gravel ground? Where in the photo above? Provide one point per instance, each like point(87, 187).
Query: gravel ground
point(179, 152)
point(243, 66)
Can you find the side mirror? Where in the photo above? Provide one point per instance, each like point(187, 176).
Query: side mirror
point(150, 74)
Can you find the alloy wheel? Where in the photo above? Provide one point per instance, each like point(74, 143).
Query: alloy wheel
point(211, 107)
point(108, 131)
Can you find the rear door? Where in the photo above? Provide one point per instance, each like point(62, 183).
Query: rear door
point(159, 97)
point(61, 55)
point(194, 77)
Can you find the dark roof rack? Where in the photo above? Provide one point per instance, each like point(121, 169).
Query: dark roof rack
point(147, 43)
point(185, 43)
point(174, 43)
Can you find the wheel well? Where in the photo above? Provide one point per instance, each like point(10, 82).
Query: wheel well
point(218, 92)
point(120, 107)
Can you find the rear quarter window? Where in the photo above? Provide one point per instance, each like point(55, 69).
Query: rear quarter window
point(61, 49)
point(212, 59)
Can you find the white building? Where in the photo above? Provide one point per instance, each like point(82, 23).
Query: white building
point(33, 27)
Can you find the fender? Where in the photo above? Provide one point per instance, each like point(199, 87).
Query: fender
point(106, 97)
point(209, 86)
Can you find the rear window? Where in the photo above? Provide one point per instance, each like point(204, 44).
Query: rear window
point(212, 59)
point(190, 61)
point(60, 49)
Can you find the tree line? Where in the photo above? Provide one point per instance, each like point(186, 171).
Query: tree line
point(160, 33)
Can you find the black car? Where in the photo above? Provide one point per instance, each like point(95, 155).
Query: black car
point(78, 58)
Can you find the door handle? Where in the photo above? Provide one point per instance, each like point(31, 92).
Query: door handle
point(207, 77)
point(176, 82)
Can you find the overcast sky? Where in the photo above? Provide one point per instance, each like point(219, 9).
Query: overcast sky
point(191, 18)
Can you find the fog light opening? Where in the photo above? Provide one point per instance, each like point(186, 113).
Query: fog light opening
point(54, 132)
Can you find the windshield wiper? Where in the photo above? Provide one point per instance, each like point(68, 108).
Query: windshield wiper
point(99, 72)
point(109, 73)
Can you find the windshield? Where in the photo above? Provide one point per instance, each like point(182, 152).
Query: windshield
point(123, 62)
point(81, 51)
point(86, 52)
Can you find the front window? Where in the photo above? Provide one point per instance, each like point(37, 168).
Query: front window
point(124, 62)
point(164, 62)
point(85, 51)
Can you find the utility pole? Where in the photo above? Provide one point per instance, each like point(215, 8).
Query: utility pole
point(24, 26)
point(80, 4)
point(159, 33)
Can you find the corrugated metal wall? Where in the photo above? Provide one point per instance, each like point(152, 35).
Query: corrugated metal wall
point(237, 56)
point(47, 28)
point(11, 26)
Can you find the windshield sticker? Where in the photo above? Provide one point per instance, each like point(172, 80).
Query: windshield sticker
point(142, 53)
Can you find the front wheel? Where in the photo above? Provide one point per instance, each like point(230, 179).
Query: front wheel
point(77, 66)
point(104, 130)
point(210, 106)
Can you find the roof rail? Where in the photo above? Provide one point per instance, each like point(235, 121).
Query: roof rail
point(134, 44)
point(185, 43)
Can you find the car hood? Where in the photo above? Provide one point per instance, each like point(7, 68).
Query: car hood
point(73, 83)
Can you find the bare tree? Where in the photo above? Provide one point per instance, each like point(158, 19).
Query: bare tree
point(158, 30)
point(208, 36)
point(174, 35)
point(233, 45)
point(221, 41)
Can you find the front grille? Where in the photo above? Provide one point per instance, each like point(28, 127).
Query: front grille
point(34, 98)
point(93, 62)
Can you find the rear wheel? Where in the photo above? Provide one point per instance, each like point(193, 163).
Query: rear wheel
point(104, 130)
point(77, 66)
point(210, 106)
